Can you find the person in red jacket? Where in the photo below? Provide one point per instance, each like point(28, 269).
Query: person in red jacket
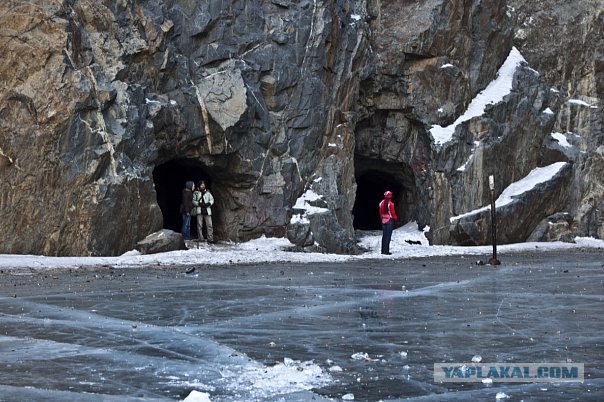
point(388, 216)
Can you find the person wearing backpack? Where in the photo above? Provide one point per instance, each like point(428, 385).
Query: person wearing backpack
point(202, 202)
point(388, 217)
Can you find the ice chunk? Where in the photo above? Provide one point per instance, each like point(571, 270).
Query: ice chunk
point(196, 396)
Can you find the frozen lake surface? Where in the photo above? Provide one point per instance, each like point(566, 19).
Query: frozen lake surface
point(369, 330)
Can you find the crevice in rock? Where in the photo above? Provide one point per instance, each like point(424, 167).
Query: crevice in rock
point(373, 178)
point(169, 179)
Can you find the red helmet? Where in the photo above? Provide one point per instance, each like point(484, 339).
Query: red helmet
point(388, 194)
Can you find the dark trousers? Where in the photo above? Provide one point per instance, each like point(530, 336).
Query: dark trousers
point(186, 226)
point(387, 229)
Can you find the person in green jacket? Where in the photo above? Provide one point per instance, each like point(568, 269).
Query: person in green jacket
point(202, 203)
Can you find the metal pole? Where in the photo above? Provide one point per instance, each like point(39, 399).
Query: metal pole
point(493, 260)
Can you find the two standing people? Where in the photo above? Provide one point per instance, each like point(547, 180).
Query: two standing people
point(388, 217)
point(202, 203)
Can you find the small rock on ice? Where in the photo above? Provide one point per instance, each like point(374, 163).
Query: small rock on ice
point(348, 397)
point(477, 359)
point(487, 381)
point(501, 395)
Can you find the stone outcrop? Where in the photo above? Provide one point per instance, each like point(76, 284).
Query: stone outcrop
point(108, 107)
point(519, 218)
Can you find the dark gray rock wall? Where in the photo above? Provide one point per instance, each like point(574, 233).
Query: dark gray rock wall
point(107, 107)
point(248, 93)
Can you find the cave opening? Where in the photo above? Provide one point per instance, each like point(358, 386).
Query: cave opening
point(373, 178)
point(169, 179)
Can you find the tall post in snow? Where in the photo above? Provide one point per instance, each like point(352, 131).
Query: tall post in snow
point(493, 260)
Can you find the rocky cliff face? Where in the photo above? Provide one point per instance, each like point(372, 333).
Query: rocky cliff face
point(299, 114)
point(564, 42)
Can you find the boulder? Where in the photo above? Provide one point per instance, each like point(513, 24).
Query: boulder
point(160, 242)
point(557, 227)
point(516, 220)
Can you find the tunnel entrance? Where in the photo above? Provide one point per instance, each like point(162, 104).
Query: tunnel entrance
point(169, 179)
point(370, 191)
point(373, 178)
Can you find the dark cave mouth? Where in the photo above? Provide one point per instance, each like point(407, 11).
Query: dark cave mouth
point(372, 181)
point(169, 179)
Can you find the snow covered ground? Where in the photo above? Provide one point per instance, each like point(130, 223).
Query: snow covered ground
point(265, 250)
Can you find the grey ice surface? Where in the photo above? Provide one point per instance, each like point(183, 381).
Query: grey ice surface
point(156, 334)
